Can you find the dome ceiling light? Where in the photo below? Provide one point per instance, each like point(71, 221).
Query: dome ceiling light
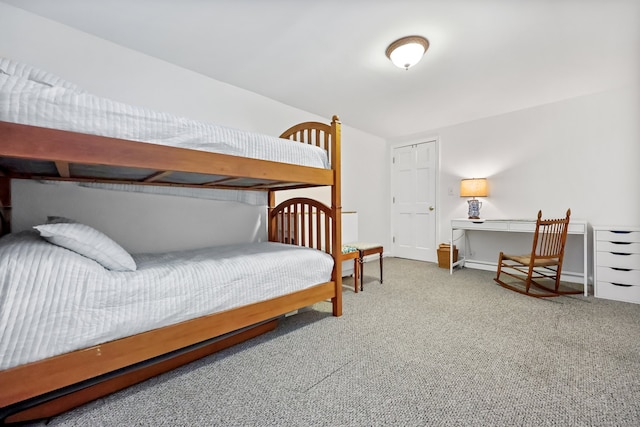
point(407, 51)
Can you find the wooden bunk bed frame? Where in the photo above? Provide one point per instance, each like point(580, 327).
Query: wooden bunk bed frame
point(49, 387)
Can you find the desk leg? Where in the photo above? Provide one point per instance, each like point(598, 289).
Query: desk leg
point(451, 253)
point(585, 264)
point(360, 261)
point(356, 269)
point(380, 267)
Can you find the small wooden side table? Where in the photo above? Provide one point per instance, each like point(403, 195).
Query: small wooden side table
point(365, 249)
point(355, 256)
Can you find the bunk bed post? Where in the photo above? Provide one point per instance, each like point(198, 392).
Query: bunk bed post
point(5, 205)
point(336, 208)
point(271, 222)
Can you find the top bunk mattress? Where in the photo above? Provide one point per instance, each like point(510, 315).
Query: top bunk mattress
point(34, 97)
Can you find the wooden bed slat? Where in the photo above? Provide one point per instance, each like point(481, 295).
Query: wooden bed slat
point(157, 176)
point(221, 181)
point(63, 169)
point(267, 186)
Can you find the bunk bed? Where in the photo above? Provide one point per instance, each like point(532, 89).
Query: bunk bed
point(46, 387)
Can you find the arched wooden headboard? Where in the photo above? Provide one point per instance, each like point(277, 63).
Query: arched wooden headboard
point(303, 222)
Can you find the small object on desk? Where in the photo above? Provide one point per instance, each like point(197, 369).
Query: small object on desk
point(475, 187)
point(365, 249)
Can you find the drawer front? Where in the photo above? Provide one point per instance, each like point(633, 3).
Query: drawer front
point(618, 247)
point(577, 228)
point(480, 225)
point(624, 276)
point(619, 293)
point(523, 227)
point(615, 259)
point(618, 235)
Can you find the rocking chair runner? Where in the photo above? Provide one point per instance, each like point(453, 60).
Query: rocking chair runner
point(544, 261)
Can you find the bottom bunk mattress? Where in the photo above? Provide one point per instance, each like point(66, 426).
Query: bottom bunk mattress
point(53, 300)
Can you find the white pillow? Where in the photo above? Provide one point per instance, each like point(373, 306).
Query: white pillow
point(89, 242)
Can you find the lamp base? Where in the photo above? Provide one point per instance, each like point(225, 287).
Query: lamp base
point(474, 208)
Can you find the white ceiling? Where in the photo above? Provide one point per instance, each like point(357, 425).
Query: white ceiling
point(486, 57)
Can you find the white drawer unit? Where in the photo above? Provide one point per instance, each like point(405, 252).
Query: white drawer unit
point(617, 263)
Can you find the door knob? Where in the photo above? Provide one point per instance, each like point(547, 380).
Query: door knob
point(431, 208)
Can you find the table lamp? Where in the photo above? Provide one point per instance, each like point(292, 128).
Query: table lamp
point(475, 187)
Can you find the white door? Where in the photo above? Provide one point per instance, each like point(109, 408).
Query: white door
point(413, 211)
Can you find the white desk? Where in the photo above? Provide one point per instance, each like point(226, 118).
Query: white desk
point(515, 226)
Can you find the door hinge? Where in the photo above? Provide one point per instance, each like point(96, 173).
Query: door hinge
point(394, 239)
point(394, 199)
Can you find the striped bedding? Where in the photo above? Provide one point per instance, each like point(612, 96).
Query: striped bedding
point(31, 96)
point(35, 97)
point(53, 301)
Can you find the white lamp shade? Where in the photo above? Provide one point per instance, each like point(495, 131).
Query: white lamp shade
point(476, 187)
point(407, 56)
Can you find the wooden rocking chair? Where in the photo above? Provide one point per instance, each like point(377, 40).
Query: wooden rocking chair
point(544, 262)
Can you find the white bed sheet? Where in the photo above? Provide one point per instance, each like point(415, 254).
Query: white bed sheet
point(35, 97)
point(53, 301)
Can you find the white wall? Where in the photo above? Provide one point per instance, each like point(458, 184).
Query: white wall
point(140, 222)
point(109, 70)
point(581, 153)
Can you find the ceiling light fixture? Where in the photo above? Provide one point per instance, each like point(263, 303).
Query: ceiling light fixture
point(407, 51)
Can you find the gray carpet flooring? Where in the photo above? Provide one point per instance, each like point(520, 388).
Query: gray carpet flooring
point(423, 349)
